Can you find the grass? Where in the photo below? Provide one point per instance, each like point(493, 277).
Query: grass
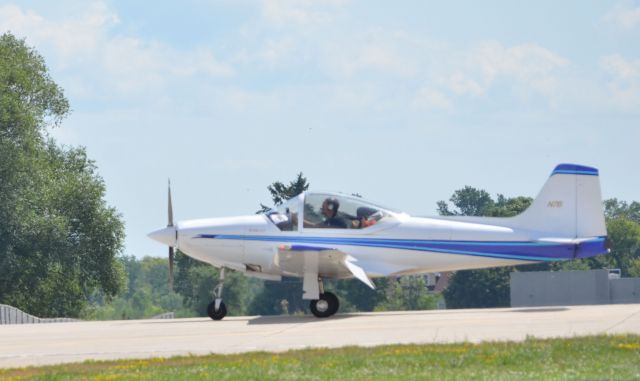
point(585, 358)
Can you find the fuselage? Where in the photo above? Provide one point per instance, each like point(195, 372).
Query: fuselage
point(398, 244)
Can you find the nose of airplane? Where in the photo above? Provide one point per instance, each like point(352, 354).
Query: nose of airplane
point(168, 235)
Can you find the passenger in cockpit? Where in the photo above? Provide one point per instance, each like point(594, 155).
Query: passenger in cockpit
point(365, 217)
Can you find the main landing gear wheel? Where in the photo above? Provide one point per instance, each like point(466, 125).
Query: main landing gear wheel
point(218, 314)
point(326, 306)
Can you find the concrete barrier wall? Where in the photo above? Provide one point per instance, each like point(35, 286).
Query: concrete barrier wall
point(166, 315)
point(625, 290)
point(12, 315)
point(565, 288)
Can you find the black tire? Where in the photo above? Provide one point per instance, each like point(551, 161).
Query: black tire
point(219, 314)
point(333, 302)
point(326, 306)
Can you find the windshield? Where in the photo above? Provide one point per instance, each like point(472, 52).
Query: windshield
point(285, 216)
point(325, 210)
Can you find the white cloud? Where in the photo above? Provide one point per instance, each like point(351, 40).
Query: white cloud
point(460, 84)
point(124, 64)
point(370, 57)
point(348, 96)
point(384, 59)
point(528, 65)
point(278, 51)
point(524, 69)
point(95, 58)
point(427, 98)
point(620, 68)
point(73, 39)
point(623, 16)
point(136, 65)
point(377, 52)
point(444, 72)
point(624, 81)
point(300, 12)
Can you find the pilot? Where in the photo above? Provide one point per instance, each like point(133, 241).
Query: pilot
point(330, 212)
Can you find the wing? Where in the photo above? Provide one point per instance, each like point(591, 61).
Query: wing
point(330, 262)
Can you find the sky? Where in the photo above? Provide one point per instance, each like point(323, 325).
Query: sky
point(401, 102)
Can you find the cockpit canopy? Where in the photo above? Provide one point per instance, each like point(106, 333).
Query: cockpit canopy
point(311, 210)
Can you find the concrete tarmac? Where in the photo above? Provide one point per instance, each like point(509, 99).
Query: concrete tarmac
point(40, 344)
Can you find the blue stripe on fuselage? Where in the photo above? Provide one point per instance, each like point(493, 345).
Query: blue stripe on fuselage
point(530, 251)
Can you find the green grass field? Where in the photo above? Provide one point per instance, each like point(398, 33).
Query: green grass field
point(588, 358)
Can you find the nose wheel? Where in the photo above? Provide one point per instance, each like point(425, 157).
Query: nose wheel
point(325, 306)
point(216, 309)
point(217, 313)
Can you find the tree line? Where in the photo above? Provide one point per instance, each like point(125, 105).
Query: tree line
point(491, 287)
point(467, 289)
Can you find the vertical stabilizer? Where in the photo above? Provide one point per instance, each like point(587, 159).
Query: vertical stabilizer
point(569, 205)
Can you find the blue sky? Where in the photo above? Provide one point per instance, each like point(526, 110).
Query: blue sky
point(402, 103)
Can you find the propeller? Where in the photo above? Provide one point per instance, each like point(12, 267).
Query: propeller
point(169, 225)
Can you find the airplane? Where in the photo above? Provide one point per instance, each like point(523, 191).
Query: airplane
point(322, 235)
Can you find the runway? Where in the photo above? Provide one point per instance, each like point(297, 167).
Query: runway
point(40, 344)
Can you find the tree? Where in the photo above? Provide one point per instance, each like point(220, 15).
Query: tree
point(355, 296)
point(624, 236)
point(407, 293)
point(58, 238)
point(486, 287)
point(278, 298)
point(623, 231)
point(148, 293)
point(479, 288)
point(196, 280)
point(615, 209)
point(469, 201)
point(281, 193)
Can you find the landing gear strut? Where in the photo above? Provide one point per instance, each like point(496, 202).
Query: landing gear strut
point(216, 309)
point(326, 305)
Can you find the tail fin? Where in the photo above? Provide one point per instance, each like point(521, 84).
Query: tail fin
point(569, 204)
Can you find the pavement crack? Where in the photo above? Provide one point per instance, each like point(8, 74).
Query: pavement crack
point(270, 334)
point(622, 321)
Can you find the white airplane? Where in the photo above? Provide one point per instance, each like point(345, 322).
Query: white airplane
point(329, 235)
